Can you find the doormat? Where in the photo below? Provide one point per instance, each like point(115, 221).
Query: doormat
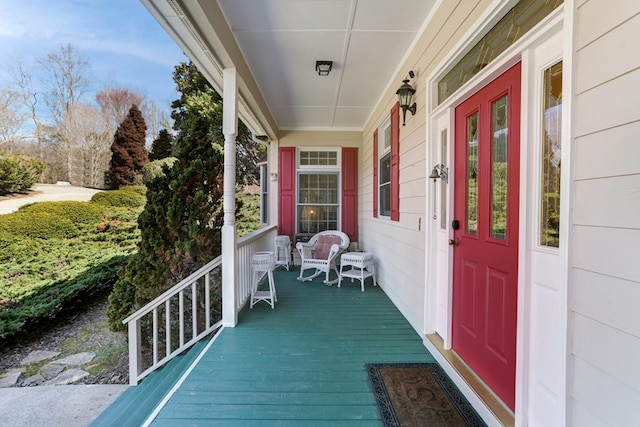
point(419, 394)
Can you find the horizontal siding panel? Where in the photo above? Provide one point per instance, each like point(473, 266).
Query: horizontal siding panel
point(594, 295)
point(412, 168)
point(596, 18)
point(612, 104)
point(414, 205)
point(614, 54)
point(608, 202)
point(611, 350)
point(583, 416)
point(611, 152)
point(608, 251)
point(609, 399)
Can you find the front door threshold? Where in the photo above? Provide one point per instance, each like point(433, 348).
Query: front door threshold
point(498, 412)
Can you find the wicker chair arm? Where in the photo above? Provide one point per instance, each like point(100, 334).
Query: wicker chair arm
point(305, 249)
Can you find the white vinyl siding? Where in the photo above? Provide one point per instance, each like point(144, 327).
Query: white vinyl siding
point(399, 247)
point(605, 287)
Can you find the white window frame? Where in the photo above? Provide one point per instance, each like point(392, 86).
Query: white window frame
point(319, 169)
point(264, 193)
point(384, 150)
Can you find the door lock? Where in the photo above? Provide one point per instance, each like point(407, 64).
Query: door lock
point(454, 242)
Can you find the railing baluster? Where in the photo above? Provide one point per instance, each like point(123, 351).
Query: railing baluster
point(194, 310)
point(155, 336)
point(207, 300)
point(135, 352)
point(181, 315)
point(167, 326)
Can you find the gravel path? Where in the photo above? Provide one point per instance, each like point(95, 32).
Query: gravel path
point(46, 193)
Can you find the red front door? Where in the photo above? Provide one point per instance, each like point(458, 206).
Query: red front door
point(485, 275)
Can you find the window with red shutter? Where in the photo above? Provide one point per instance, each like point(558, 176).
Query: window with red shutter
point(310, 183)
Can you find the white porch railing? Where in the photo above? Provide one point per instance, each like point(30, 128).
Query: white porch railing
point(260, 240)
point(190, 310)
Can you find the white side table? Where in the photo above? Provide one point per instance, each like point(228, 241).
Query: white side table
point(263, 263)
point(282, 247)
point(361, 266)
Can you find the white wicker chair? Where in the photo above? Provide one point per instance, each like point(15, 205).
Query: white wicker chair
point(320, 254)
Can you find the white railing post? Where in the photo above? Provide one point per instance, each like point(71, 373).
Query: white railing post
point(229, 129)
point(135, 351)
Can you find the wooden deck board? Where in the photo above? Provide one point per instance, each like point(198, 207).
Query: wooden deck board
point(299, 364)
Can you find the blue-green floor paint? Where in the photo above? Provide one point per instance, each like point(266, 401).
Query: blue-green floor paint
point(300, 364)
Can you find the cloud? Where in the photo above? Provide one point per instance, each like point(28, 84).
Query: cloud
point(120, 36)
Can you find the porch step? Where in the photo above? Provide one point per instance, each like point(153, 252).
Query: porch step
point(133, 406)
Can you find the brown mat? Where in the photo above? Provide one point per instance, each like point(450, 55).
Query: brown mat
point(419, 394)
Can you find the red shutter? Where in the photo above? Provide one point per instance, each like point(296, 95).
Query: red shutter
point(395, 162)
point(350, 192)
point(287, 187)
point(375, 173)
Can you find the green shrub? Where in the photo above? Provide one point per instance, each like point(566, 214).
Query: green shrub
point(60, 296)
point(18, 174)
point(76, 212)
point(14, 247)
point(154, 169)
point(131, 196)
point(247, 213)
point(42, 273)
point(37, 225)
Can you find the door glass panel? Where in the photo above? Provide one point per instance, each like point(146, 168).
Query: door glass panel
point(472, 174)
point(443, 183)
point(551, 149)
point(499, 167)
point(515, 24)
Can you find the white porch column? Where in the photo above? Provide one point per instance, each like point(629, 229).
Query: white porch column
point(229, 129)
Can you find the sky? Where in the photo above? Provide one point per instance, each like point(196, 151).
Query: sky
point(125, 45)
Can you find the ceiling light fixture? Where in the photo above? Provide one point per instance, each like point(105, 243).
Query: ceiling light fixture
point(324, 67)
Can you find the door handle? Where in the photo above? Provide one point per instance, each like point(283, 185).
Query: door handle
point(454, 242)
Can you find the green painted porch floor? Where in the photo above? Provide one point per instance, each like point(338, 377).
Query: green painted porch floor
point(301, 364)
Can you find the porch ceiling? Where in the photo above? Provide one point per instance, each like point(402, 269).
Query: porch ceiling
point(280, 41)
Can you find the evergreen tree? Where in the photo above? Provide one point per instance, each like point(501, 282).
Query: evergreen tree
point(162, 146)
point(180, 230)
point(129, 152)
point(188, 81)
point(181, 224)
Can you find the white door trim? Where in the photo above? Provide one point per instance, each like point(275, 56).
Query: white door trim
point(520, 51)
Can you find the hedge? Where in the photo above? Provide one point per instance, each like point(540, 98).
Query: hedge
point(132, 196)
point(19, 174)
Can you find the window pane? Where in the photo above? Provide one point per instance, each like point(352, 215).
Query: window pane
point(472, 174)
point(499, 167)
point(387, 137)
point(385, 200)
point(517, 22)
point(318, 158)
point(384, 170)
point(443, 183)
point(551, 151)
point(384, 178)
point(317, 202)
point(316, 218)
